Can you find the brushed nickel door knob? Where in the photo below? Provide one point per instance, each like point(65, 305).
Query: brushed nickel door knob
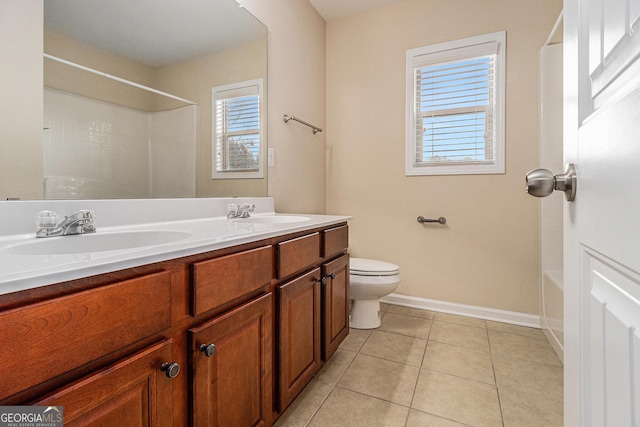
point(542, 182)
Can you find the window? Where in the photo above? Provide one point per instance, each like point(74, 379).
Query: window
point(237, 130)
point(455, 107)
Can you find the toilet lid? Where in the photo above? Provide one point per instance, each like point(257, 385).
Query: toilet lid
point(372, 267)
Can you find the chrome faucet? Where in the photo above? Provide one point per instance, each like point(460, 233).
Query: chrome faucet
point(240, 211)
point(80, 222)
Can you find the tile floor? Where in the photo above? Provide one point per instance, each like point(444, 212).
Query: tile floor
point(422, 368)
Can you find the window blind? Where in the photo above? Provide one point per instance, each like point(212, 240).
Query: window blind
point(455, 112)
point(237, 136)
point(455, 109)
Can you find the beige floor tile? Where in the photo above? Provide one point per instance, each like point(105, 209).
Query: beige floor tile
point(457, 399)
point(459, 361)
point(460, 320)
point(408, 311)
point(306, 404)
point(515, 329)
point(398, 348)
point(460, 335)
point(384, 306)
point(420, 419)
point(333, 369)
point(538, 350)
point(529, 376)
point(523, 410)
point(381, 378)
point(355, 339)
point(344, 408)
point(406, 325)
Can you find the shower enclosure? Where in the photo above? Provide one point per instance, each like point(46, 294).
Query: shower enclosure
point(551, 226)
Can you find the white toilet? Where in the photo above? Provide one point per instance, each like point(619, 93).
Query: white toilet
point(370, 280)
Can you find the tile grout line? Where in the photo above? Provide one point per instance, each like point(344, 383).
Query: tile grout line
point(495, 378)
point(333, 386)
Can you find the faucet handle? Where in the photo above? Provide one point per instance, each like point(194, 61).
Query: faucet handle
point(46, 220)
point(85, 216)
point(232, 210)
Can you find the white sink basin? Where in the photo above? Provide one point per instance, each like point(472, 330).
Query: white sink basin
point(98, 242)
point(274, 219)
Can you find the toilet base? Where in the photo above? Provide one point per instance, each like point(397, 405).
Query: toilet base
point(365, 314)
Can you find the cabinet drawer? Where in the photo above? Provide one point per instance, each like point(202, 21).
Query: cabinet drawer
point(131, 392)
point(297, 254)
point(336, 240)
point(221, 280)
point(46, 339)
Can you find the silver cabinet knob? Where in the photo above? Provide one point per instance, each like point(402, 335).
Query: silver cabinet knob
point(170, 369)
point(541, 182)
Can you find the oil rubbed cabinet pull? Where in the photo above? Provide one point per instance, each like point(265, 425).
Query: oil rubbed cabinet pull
point(170, 369)
point(208, 349)
point(323, 279)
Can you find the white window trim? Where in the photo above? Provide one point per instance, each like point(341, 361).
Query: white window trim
point(239, 87)
point(439, 53)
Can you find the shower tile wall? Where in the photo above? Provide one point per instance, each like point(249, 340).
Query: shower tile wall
point(551, 157)
point(94, 149)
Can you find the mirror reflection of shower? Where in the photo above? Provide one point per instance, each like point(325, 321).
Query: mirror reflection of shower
point(95, 149)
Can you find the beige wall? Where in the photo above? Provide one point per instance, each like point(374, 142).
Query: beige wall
point(296, 70)
point(487, 254)
point(21, 110)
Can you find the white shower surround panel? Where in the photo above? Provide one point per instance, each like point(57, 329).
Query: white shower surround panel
point(98, 150)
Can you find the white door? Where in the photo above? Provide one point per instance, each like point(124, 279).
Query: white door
point(602, 225)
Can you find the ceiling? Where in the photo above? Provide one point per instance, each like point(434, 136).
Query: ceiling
point(336, 9)
point(154, 32)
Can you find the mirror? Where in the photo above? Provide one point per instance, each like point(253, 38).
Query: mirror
point(107, 138)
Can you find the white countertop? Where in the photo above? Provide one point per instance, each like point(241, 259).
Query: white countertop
point(203, 232)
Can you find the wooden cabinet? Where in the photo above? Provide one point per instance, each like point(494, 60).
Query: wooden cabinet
point(132, 392)
point(313, 308)
point(335, 304)
point(240, 330)
point(45, 339)
point(232, 360)
point(299, 335)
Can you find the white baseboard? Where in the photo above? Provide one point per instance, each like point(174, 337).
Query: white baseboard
point(504, 316)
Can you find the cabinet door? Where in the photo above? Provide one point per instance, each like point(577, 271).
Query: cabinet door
point(132, 392)
point(232, 367)
point(299, 335)
point(335, 305)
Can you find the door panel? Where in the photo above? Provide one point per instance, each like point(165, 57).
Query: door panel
point(615, 342)
point(233, 385)
point(601, 235)
point(299, 335)
point(335, 305)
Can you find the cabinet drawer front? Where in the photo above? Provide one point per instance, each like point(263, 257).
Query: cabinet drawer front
point(46, 339)
point(221, 280)
point(336, 240)
point(133, 391)
point(297, 254)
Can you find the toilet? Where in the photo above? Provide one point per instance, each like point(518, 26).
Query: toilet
point(370, 280)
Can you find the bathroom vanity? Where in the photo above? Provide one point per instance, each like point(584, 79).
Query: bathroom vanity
point(213, 329)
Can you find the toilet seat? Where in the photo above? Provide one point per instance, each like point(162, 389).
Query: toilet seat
point(372, 267)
